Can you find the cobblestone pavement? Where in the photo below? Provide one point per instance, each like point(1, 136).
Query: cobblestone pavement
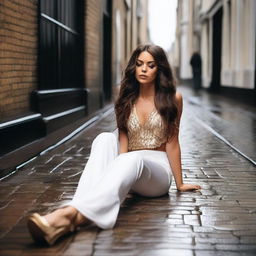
point(220, 219)
point(233, 120)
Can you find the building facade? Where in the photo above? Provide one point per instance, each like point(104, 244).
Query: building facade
point(60, 62)
point(130, 28)
point(223, 31)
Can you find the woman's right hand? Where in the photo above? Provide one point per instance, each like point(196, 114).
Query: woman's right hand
point(188, 187)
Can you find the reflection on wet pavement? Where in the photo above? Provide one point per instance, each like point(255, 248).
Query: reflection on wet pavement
point(232, 120)
point(220, 219)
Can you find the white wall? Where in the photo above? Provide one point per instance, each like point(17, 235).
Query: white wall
point(238, 55)
point(185, 39)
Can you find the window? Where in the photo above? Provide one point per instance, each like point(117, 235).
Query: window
point(60, 44)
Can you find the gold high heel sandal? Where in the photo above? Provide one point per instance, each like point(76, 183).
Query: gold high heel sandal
point(43, 232)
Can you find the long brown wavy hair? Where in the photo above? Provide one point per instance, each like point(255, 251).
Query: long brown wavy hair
point(165, 91)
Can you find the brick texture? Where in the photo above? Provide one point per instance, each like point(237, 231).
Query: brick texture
point(18, 55)
point(218, 220)
point(93, 51)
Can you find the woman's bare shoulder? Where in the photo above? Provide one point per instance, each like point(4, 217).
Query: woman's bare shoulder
point(178, 98)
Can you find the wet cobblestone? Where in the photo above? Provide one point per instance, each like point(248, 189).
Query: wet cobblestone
point(218, 220)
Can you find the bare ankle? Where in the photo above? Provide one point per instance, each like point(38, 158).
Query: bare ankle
point(61, 217)
point(80, 219)
point(70, 212)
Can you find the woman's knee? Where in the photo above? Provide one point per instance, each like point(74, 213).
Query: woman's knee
point(105, 137)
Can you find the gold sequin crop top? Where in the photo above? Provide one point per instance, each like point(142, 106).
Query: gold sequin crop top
point(147, 136)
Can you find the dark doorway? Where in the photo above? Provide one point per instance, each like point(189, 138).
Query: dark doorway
point(107, 54)
point(216, 50)
point(255, 74)
point(60, 44)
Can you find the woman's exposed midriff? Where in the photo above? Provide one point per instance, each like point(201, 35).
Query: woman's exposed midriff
point(161, 148)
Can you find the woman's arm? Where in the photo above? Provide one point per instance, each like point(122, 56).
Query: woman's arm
point(123, 141)
point(174, 154)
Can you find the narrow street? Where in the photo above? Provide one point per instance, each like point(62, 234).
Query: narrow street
point(218, 146)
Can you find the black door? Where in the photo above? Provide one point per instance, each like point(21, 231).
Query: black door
point(60, 44)
point(107, 85)
point(216, 51)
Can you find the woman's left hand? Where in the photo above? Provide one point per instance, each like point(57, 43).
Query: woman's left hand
point(188, 187)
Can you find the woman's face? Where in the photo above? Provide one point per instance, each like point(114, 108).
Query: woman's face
point(146, 69)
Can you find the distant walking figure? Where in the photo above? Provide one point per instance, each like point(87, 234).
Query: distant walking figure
point(139, 157)
point(196, 64)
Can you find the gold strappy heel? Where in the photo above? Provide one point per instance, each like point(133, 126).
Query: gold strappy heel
point(43, 232)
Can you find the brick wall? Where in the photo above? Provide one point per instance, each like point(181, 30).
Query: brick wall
point(93, 52)
point(18, 55)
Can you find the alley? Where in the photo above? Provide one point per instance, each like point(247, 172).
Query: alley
point(217, 140)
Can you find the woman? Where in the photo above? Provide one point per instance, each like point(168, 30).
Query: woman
point(141, 159)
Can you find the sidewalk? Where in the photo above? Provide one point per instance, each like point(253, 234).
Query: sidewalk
point(220, 219)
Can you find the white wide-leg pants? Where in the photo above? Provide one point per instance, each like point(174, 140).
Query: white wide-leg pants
point(109, 177)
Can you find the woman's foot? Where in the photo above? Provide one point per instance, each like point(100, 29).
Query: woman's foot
point(65, 216)
point(81, 220)
point(61, 217)
point(42, 232)
point(52, 226)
